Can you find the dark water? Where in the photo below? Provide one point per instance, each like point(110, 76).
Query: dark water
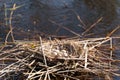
point(60, 17)
point(50, 17)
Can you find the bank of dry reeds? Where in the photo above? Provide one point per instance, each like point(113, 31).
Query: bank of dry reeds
point(88, 59)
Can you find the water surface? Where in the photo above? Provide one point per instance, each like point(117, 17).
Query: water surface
point(61, 17)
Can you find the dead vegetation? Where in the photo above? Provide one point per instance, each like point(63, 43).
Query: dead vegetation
point(59, 60)
point(68, 59)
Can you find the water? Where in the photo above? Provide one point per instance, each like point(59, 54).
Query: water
point(52, 17)
point(64, 15)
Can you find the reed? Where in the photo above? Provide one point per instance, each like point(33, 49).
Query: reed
point(75, 59)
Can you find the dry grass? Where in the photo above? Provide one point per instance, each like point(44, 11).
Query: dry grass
point(59, 60)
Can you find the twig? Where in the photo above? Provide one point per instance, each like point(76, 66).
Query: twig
point(10, 23)
point(113, 31)
point(79, 18)
point(66, 28)
point(94, 24)
point(41, 48)
point(86, 55)
point(111, 51)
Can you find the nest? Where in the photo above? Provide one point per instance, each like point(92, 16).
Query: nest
point(76, 59)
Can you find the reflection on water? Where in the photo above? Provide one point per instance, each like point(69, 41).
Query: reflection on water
point(105, 8)
point(51, 16)
point(63, 17)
